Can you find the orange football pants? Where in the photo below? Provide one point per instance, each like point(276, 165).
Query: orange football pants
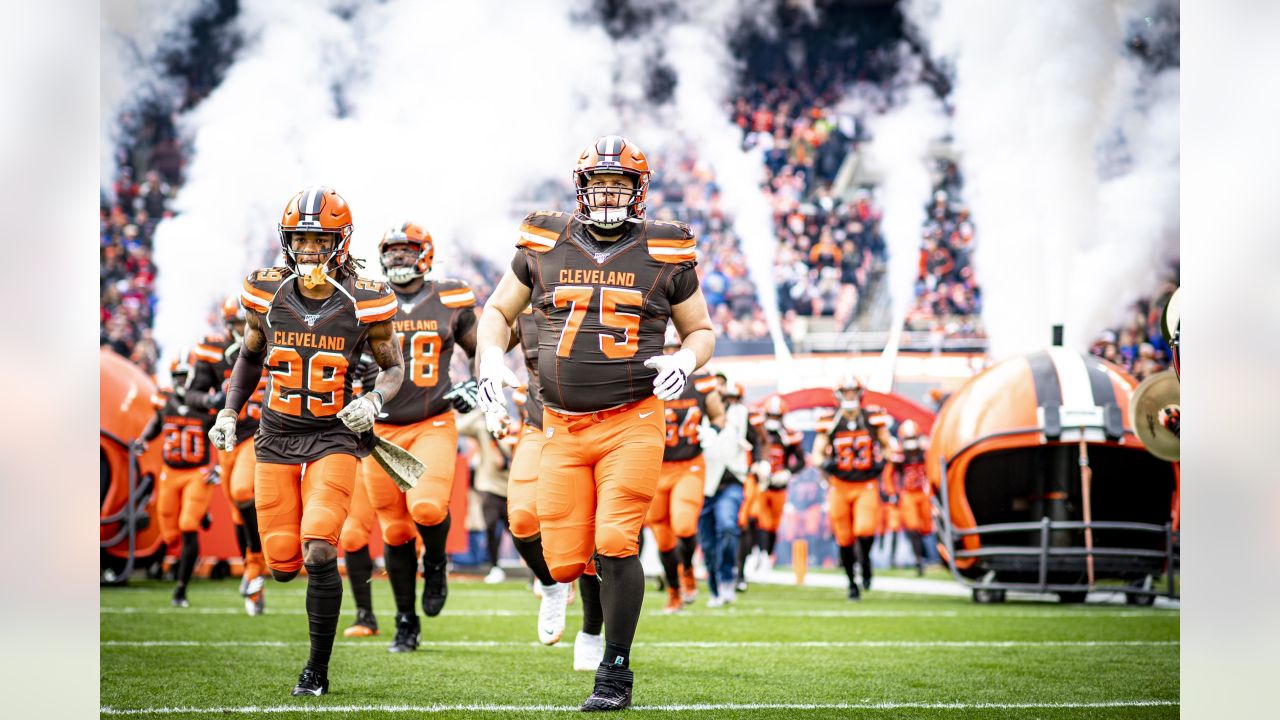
point(890, 519)
point(434, 441)
point(673, 514)
point(182, 502)
point(595, 483)
point(854, 508)
point(237, 476)
point(917, 515)
point(522, 483)
point(360, 518)
point(302, 502)
point(769, 504)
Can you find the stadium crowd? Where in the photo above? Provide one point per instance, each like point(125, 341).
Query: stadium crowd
point(948, 298)
point(1137, 343)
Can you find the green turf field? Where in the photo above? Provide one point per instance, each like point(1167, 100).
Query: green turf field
point(780, 652)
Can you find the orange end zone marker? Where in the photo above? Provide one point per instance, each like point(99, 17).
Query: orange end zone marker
point(800, 559)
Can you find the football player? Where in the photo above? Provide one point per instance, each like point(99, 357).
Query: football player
point(850, 448)
point(522, 517)
point(434, 316)
point(307, 323)
point(913, 483)
point(183, 489)
point(777, 456)
point(673, 514)
point(603, 282)
point(718, 522)
point(212, 372)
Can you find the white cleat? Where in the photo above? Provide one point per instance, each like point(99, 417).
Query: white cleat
point(728, 595)
point(715, 601)
point(551, 613)
point(588, 652)
point(496, 575)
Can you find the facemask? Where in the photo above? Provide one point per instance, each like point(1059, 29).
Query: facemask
point(400, 275)
point(850, 405)
point(773, 425)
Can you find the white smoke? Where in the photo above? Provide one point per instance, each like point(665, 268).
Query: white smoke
point(697, 48)
point(898, 152)
point(134, 34)
point(444, 114)
point(1037, 87)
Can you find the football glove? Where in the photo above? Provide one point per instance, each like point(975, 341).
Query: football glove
point(464, 397)
point(673, 373)
point(213, 476)
point(138, 446)
point(359, 414)
point(494, 375)
point(223, 432)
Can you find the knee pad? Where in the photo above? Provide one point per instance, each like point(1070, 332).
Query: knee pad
point(523, 523)
point(352, 540)
point(283, 552)
point(613, 542)
point(398, 532)
point(428, 512)
point(566, 572)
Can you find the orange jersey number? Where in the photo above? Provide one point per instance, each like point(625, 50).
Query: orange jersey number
point(324, 379)
point(183, 443)
point(687, 429)
point(854, 451)
point(578, 298)
point(423, 352)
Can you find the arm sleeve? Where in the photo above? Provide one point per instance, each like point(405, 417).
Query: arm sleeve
point(684, 283)
point(244, 378)
point(152, 429)
point(520, 267)
point(204, 393)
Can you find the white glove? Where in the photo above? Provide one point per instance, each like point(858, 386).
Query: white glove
point(761, 469)
point(494, 375)
point(780, 479)
point(673, 373)
point(223, 432)
point(359, 414)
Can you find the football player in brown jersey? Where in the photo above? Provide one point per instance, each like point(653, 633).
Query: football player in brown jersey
point(210, 375)
point(913, 485)
point(776, 456)
point(183, 489)
point(850, 448)
point(673, 514)
point(434, 316)
point(603, 283)
point(522, 516)
point(308, 322)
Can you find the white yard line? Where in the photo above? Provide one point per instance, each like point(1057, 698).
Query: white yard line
point(702, 707)
point(703, 614)
point(697, 645)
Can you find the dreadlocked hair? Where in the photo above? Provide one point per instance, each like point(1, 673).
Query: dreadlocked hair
point(351, 266)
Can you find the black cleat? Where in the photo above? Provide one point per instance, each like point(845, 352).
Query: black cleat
point(435, 587)
point(180, 598)
point(311, 682)
point(613, 689)
point(854, 594)
point(408, 633)
point(366, 624)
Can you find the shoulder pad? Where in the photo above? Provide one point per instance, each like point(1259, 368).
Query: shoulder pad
point(260, 288)
point(704, 384)
point(210, 352)
point(670, 242)
point(374, 300)
point(540, 230)
point(456, 293)
point(879, 418)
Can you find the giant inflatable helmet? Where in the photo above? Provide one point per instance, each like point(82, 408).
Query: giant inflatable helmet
point(1028, 450)
point(126, 489)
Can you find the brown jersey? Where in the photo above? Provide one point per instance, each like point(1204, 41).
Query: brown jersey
point(184, 429)
point(684, 419)
point(856, 454)
point(428, 325)
point(312, 346)
point(782, 449)
point(215, 357)
point(913, 477)
point(602, 308)
point(529, 398)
